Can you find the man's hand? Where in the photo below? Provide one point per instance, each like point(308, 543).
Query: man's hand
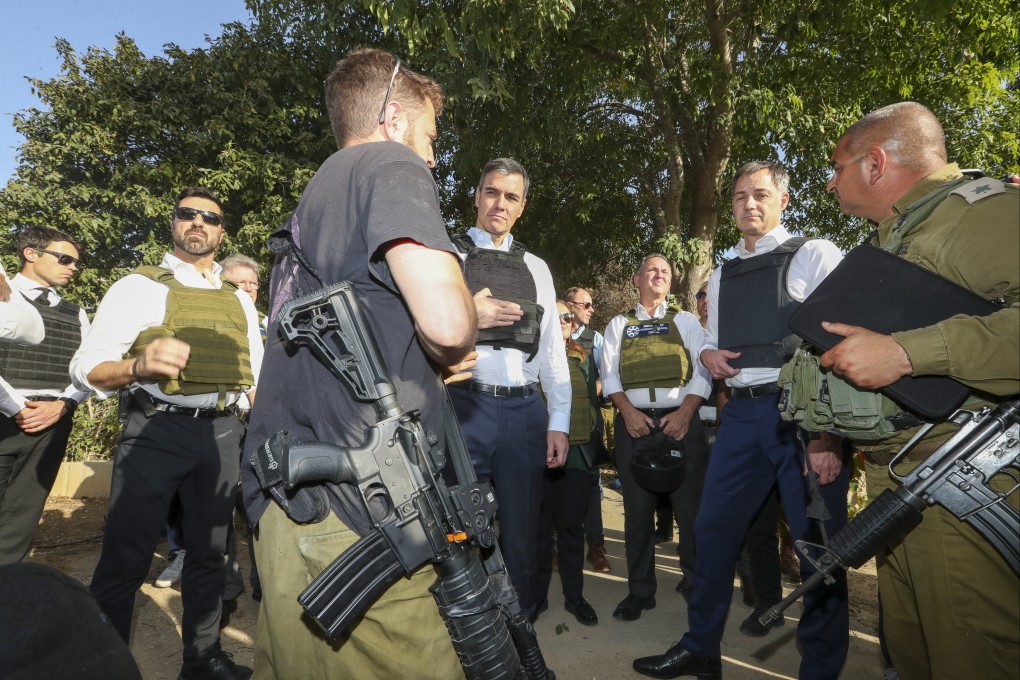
point(638, 424)
point(556, 448)
point(461, 371)
point(163, 358)
point(5, 289)
point(39, 415)
point(675, 425)
point(493, 313)
point(824, 457)
point(865, 358)
point(717, 361)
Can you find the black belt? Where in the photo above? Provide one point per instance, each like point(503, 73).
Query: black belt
point(145, 401)
point(657, 412)
point(755, 391)
point(500, 390)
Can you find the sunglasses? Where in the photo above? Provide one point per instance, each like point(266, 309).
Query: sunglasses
point(566, 318)
point(389, 90)
point(188, 214)
point(701, 295)
point(584, 305)
point(64, 260)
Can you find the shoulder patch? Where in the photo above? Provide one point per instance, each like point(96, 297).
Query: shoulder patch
point(979, 188)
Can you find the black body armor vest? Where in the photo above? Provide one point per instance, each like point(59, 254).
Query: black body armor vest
point(586, 339)
point(757, 307)
point(44, 366)
point(507, 276)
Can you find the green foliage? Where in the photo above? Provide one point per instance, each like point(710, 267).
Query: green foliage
point(96, 431)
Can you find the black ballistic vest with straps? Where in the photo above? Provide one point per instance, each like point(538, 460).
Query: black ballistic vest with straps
point(44, 366)
point(508, 278)
point(757, 307)
point(586, 339)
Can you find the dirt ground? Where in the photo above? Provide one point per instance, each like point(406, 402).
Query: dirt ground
point(70, 537)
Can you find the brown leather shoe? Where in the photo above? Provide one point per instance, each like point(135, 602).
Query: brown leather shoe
point(597, 559)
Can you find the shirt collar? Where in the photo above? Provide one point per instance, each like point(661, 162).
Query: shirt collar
point(483, 239)
point(946, 173)
point(770, 241)
point(27, 285)
point(173, 263)
point(657, 312)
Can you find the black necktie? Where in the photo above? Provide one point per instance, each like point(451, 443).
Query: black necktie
point(44, 297)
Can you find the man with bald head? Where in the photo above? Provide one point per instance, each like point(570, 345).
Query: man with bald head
point(949, 601)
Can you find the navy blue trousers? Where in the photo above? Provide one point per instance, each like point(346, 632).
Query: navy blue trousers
point(754, 450)
point(506, 438)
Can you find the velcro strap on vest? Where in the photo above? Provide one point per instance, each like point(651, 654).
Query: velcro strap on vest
point(305, 504)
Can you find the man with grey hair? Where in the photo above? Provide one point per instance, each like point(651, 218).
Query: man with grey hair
point(511, 434)
point(949, 601)
point(650, 374)
point(747, 340)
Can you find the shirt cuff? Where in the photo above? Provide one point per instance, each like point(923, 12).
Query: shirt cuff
point(926, 349)
point(559, 421)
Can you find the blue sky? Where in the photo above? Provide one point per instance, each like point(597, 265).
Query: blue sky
point(28, 31)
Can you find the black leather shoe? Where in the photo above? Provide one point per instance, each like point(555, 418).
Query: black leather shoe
point(678, 661)
point(216, 666)
point(753, 627)
point(632, 606)
point(582, 611)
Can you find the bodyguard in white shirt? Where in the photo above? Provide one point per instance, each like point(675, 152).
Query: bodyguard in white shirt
point(37, 397)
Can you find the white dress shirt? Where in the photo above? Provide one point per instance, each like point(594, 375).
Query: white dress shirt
point(810, 265)
point(509, 366)
point(20, 320)
point(12, 399)
point(135, 303)
point(692, 335)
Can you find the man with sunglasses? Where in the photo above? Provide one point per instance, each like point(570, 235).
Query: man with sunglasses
point(37, 399)
point(181, 346)
point(371, 216)
point(511, 433)
point(650, 374)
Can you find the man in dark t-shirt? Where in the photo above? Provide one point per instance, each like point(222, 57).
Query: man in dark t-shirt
point(369, 216)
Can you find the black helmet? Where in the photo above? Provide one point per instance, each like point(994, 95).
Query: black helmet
point(659, 472)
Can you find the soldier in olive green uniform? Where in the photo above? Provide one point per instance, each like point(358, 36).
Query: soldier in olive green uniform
point(949, 600)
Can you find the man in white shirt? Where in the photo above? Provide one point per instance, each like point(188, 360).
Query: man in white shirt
point(750, 300)
point(650, 373)
point(511, 434)
point(37, 399)
point(184, 346)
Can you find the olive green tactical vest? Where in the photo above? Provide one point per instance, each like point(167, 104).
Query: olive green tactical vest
point(582, 415)
point(213, 323)
point(652, 354)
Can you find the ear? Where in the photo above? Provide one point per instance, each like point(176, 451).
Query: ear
point(478, 197)
point(784, 201)
point(394, 121)
point(875, 164)
point(29, 254)
point(635, 280)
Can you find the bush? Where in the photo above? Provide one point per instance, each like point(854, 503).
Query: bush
point(96, 431)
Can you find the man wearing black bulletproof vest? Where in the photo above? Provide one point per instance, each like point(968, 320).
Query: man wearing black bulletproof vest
point(39, 400)
point(512, 436)
point(747, 340)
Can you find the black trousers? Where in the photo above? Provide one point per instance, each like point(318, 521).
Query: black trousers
point(159, 457)
point(28, 467)
point(639, 507)
point(564, 505)
point(759, 558)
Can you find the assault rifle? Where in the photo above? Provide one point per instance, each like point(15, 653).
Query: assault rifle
point(956, 476)
point(416, 518)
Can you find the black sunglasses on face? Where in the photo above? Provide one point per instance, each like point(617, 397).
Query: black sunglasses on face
point(585, 305)
point(701, 295)
point(62, 259)
point(188, 214)
point(389, 89)
point(566, 318)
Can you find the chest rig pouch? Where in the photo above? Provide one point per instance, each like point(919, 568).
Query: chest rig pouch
point(652, 354)
point(508, 278)
point(213, 323)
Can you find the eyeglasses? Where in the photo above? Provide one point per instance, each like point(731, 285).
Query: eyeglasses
point(701, 295)
point(566, 318)
point(188, 214)
point(247, 285)
point(389, 90)
point(62, 259)
point(584, 305)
